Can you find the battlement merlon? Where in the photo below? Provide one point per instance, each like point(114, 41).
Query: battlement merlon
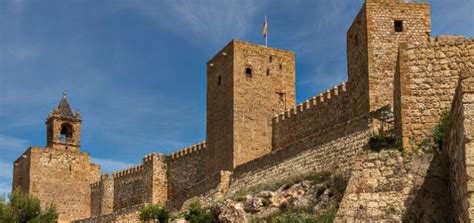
point(236, 42)
point(190, 150)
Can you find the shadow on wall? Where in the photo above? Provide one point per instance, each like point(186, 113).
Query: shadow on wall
point(432, 201)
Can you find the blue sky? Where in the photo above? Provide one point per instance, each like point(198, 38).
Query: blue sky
point(136, 69)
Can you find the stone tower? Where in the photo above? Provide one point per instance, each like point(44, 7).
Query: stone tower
point(59, 174)
point(246, 85)
point(372, 48)
point(63, 127)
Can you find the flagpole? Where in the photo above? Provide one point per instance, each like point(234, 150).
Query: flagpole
point(266, 34)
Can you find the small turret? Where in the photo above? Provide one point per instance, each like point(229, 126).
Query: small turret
point(63, 126)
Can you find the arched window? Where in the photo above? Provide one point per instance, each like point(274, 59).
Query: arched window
point(66, 133)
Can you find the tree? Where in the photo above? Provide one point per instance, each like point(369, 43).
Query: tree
point(23, 208)
point(154, 212)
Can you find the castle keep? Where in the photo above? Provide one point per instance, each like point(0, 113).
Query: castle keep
point(399, 77)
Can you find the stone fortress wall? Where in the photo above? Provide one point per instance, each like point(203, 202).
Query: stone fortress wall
point(311, 117)
point(409, 187)
point(255, 133)
point(427, 76)
point(459, 148)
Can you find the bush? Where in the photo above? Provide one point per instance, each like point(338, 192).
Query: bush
point(197, 214)
point(386, 140)
point(23, 208)
point(154, 212)
point(439, 131)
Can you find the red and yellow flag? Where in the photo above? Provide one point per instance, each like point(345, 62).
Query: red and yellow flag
point(265, 28)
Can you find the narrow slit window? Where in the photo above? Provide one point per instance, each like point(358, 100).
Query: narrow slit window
point(268, 72)
point(398, 24)
point(219, 80)
point(248, 71)
point(281, 66)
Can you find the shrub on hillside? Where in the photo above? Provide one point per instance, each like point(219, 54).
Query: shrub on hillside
point(23, 208)
point(154, 212)
point(197, 214)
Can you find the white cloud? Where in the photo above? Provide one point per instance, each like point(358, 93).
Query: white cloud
point(110, 166)
point(203, 20)
point(11, 144)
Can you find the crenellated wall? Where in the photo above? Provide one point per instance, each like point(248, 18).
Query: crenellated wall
point(186, 168)
point(425, 81)
point(459, 148)
point(130, 187)
point(312, 117)
point(144, 183)
point(102, 196)
point(95, 199)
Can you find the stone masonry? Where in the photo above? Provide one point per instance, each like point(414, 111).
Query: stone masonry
point(428, 73)
point(459, 148)
point(390, 186)
point(257, 133)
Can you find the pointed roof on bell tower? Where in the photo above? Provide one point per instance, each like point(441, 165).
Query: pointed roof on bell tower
point(64, 108)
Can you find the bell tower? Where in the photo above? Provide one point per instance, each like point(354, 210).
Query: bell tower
point(63, 127)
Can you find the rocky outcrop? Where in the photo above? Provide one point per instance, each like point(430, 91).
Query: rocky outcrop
point(308, 196)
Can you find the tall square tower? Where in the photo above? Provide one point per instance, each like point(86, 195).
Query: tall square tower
point(247, 85)
point(372, 47)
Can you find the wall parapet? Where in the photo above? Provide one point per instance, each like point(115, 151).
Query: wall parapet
point(129, 171)
point(188, 151)
point(313, 115)
point(314, 101)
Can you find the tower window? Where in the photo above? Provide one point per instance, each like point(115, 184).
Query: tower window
point(268, 72)
point(398, 24)
point(219, 80)
point(281, 67)
point(66, 133)
point(248, 71)
point(271, 58)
